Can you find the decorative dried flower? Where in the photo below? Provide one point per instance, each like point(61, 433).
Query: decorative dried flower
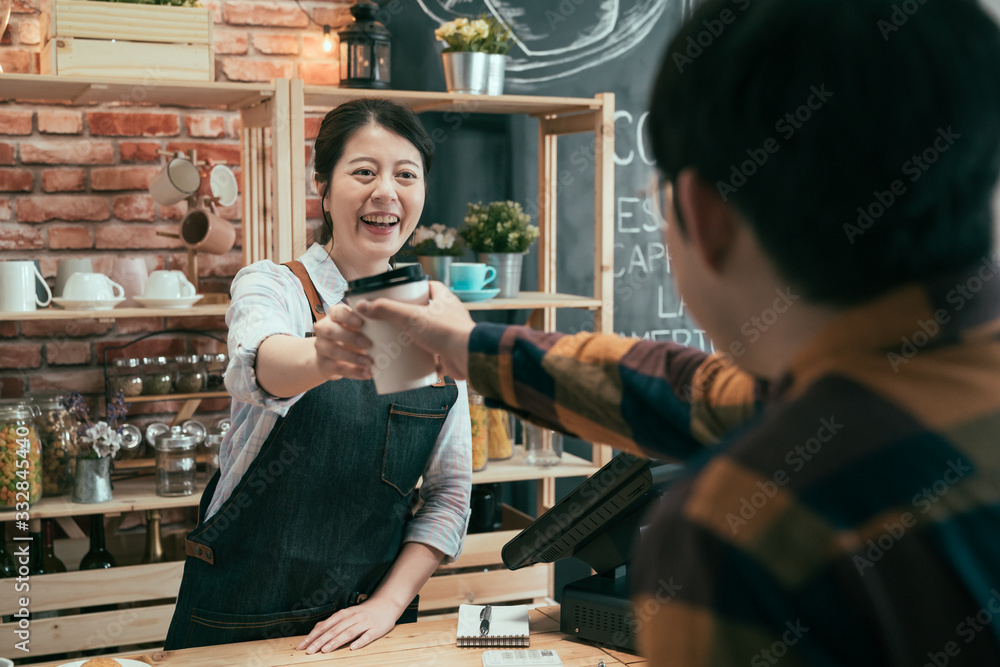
point(436, 240)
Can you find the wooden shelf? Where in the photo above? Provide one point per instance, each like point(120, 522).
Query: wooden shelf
point(536, 300)
point(515, 469)
point(178, 397)
point(326, 97)
point(524, 301)
point(129, 495)
point(55, 313)
point(140, 494)
point(35, 88)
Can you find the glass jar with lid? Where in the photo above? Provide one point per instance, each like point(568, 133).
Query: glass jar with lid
point(176, 456)
point(212, 443)
point(215, 370)
point(190, 378)
point(126, 377)
point(19, 442)
point(480, 433)
point(159, 376)
point(57, 432)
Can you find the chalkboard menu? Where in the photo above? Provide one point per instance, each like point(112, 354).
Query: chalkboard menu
point(575, 48)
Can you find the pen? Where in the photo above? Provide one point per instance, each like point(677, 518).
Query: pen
point(484, 624)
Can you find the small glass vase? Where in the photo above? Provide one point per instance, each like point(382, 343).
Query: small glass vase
point(437, 267)
point(93, 480)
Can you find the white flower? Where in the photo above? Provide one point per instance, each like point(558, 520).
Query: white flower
point(482, 28)
point(460, 22)
point(468, 32)
point(104, 440)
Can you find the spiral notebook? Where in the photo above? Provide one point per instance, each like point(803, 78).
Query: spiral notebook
point(508, 627)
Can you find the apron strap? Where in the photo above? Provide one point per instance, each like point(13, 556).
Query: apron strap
point(315, 303)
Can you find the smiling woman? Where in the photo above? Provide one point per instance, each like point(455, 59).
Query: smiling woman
point(310, 431)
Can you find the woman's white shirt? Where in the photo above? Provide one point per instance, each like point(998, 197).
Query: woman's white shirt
point(268, 300)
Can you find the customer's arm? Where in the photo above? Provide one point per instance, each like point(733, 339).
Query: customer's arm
point(640, 396)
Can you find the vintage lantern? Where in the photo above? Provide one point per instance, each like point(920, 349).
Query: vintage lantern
point(365, 48)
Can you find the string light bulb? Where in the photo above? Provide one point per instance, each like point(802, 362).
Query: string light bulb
point(327, 41)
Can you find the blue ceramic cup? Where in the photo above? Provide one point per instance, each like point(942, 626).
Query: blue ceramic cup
point(471, 276)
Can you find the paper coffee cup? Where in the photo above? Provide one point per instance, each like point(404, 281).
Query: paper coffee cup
point(399, 364)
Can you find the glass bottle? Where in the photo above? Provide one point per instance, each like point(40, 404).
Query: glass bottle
point(190, 378)
point(8, 568)
point(18, 442)
point(154, 543)
point(126, 377)
point(57, 430)
point(98, 558)
point(36, 559)
point(159, 378)
point(480, 433)
point(50, 561)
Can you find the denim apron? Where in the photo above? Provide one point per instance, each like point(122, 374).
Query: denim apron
point(317, 519)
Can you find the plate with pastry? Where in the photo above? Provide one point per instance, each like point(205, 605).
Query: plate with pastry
point(105, 662)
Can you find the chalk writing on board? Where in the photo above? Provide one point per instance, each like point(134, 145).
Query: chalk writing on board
point(556, 39)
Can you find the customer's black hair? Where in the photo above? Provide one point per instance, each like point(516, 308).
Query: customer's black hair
point(887, 80)
point(341, 123)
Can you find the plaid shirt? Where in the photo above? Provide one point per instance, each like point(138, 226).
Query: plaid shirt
point(854, 521)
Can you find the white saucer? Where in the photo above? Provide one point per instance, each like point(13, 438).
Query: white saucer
point(473, 295)
point(86, 304)
point(179, 302)
point(124, 662)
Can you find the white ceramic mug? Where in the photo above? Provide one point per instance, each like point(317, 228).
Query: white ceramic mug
point(17, 287)
point(92, 287)
point(176, 182)
point(132, 273)
point(67, 267)
point(168, 285)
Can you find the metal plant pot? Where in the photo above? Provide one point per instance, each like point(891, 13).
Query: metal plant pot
point(495, 74)
point(93, 480)
point(508, 266)
point(437, 267)
point(465, 72)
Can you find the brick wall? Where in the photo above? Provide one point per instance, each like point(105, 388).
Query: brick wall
point(73, 184)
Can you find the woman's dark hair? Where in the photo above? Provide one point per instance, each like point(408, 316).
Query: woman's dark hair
point(859, 138)
point(341, 123)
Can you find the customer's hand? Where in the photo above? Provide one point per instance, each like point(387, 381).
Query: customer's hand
point(341, 348)
point(361, 625)
point(442, 327)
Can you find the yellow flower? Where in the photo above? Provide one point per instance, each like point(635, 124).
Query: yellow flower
point(468, 32)
point(460, 22)
point(482, 28)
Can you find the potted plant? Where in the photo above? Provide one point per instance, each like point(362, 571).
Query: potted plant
point(436, 247)
point(99, 443)
point(501, 234)
point(474, 55)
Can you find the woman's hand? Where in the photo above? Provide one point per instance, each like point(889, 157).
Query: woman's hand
point(442, 327)
point(340, 345)
point(361, 624)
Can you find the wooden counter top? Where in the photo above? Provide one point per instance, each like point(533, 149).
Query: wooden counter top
point(430, 643)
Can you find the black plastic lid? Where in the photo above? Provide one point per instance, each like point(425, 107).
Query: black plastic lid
point(407, 274)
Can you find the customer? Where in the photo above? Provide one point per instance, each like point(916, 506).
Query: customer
point(310, 515)
point(826, 168)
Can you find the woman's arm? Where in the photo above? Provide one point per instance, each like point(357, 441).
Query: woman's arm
point(364, 623)
point(289, 366)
